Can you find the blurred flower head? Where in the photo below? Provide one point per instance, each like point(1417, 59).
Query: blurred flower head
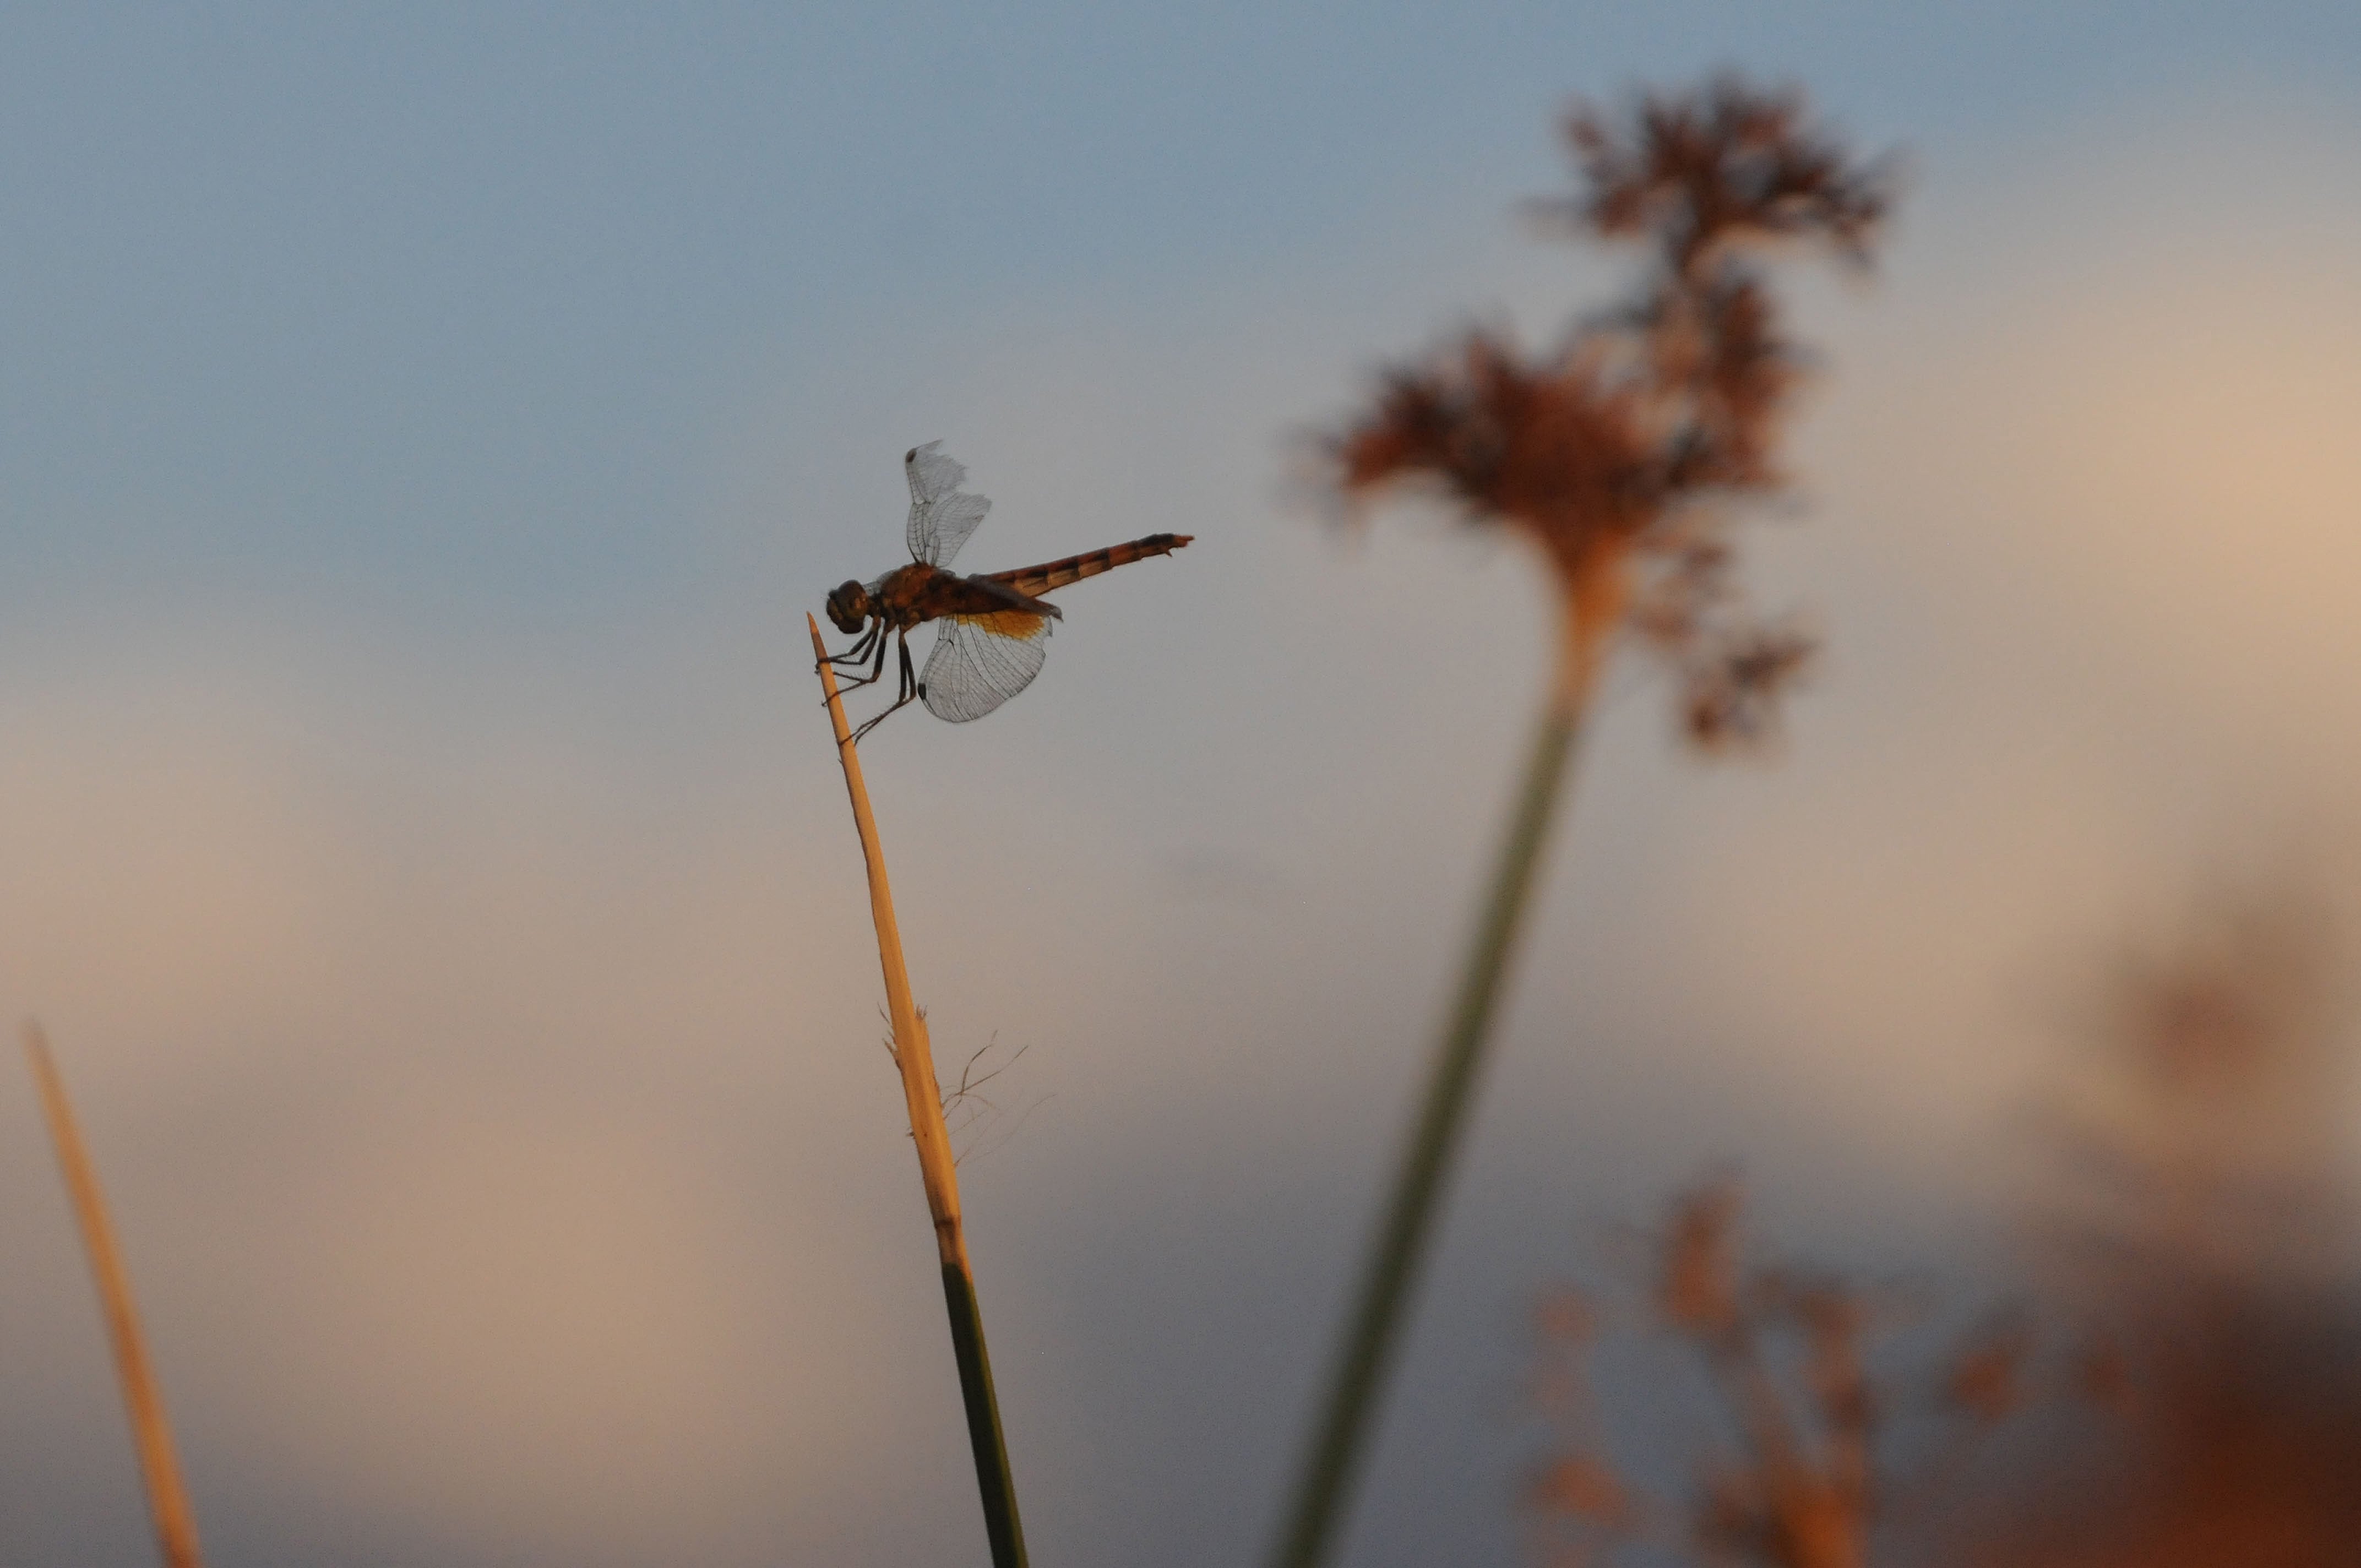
point(1735, 679)
point(1551, 451)
point(1617, 453)
point(1727, 165)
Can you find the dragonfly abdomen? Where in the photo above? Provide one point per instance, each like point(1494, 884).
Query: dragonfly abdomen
point(1035, 581)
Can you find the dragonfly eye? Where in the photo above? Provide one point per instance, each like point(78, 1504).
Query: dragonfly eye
point(848, 606)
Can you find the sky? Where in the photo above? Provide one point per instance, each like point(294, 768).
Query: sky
point(422, 429)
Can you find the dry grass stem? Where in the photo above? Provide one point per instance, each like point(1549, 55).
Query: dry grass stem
point(912, 1054)
point(936, 1167)
point(151, 1434)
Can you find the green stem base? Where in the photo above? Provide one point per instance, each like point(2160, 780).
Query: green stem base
point(993, 1477)
point(1375, 1324)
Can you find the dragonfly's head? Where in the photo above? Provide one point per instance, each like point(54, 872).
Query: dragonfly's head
point(849, 607)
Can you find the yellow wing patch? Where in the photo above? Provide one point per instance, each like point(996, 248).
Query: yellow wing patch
point(1022, 625)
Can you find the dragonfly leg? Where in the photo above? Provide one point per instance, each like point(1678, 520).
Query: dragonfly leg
point(859, 652)
point(907, 690)
point(878, 639)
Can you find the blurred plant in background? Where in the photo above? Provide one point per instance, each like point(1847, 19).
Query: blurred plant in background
point(2196, 1229)
point(1782, 1448)
point(1619, 453)
point(2181, 1388)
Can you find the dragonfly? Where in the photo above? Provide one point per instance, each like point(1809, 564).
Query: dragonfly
point(991, 631)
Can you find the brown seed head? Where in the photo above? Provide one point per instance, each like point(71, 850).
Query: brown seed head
point(1616, 451)
point(1550, 451)
point(1725, 167)
point(1735, 681)
point(1698, 1290)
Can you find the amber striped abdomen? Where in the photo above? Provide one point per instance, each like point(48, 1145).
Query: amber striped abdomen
point(1035, 581)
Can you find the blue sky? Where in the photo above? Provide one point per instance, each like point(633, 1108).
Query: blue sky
point(442, 307)
point(421, 431)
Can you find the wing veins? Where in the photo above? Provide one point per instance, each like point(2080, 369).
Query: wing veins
point(943, 516)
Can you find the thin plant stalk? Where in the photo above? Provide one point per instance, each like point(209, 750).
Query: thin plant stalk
point(151, 1434)
point(936, 1172)
point(1589, 613)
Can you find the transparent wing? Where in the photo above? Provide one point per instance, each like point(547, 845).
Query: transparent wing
point(934, 474)
point(942, 514)
point(982, 660)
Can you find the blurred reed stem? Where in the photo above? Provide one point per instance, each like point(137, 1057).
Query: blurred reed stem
point(151, 1434)
point(915, 1058)
point(1591, 610)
